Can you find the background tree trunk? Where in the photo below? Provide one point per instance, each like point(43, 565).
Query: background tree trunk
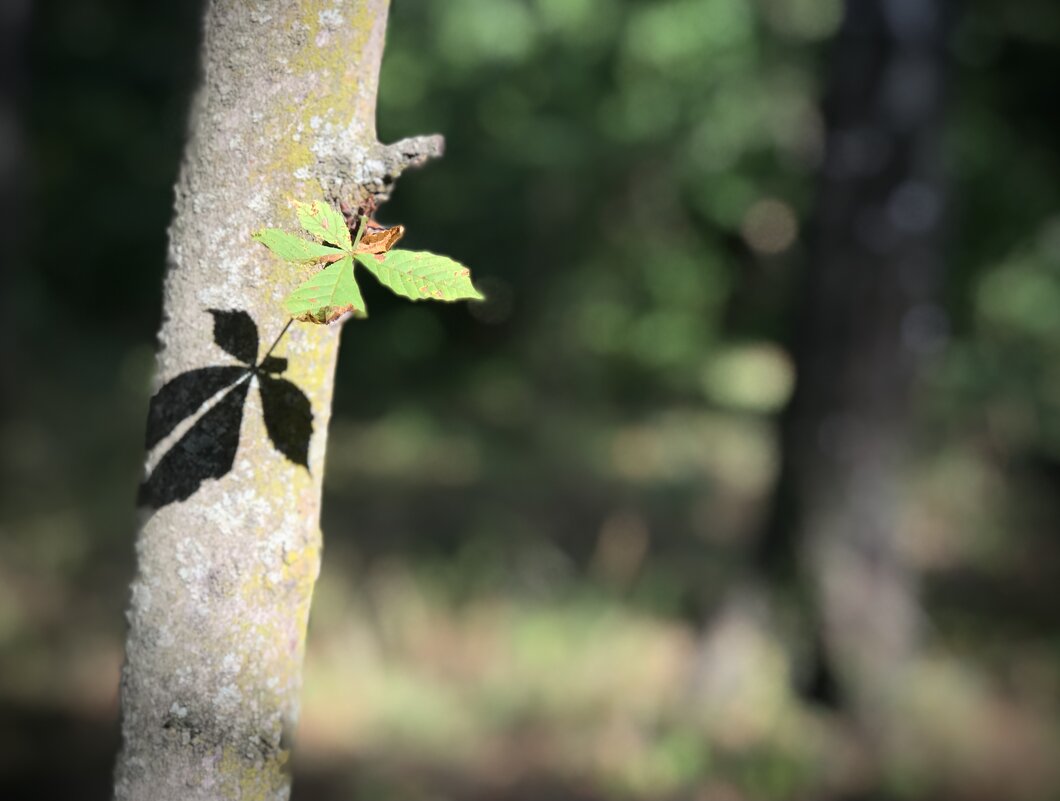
point(868, 314)
point(14, 23)
point(230, 545)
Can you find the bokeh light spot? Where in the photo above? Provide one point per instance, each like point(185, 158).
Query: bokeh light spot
point(770, 226)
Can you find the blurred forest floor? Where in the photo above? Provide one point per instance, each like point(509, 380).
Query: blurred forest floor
point(524, 666)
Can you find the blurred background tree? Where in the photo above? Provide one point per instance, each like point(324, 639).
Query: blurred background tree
point(868, 317)
point(545, 514)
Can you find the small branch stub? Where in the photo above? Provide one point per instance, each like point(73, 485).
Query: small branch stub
point(389, 161)
point(369, 177)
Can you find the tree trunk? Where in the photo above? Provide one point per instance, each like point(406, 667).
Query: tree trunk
point(14, 27)
point(867, 317)
point(230, 544)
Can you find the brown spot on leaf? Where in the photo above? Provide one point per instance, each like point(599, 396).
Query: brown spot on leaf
point(327, 314)
point(378, 240)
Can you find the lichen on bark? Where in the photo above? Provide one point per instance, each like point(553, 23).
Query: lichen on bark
point(220, 602)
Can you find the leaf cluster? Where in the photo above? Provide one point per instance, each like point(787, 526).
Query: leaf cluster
point(332, 292)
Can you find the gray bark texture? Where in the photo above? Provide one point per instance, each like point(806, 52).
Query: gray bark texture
point(229, 547)
point(870, 322)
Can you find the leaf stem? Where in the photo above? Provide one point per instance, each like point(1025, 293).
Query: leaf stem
point(276, 341)
point(360, 231)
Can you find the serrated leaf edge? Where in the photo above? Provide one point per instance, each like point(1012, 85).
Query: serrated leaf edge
point(258, 236)
point(335, 310)
point(373, 263)
point(301, 206)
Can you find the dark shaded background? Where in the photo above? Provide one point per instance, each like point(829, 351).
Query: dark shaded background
point(571, 531)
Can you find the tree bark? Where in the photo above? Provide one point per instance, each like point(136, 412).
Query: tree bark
point(229, 548)
point(14, 26)
point(868, 316)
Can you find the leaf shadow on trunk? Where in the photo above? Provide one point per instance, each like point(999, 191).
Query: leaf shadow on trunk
point(207, 450)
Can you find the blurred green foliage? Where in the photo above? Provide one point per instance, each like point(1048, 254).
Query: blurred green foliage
point(534, 505)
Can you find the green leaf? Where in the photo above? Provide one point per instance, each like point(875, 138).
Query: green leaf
point(422, 276)
point(293, 248)
point(319, 219)
point(327, 295)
